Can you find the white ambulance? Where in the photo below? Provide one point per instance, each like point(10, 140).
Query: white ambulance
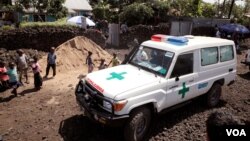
point(161, 73)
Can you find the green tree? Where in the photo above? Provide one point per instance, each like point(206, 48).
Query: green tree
point(136, 13)
point(40, 5)
point(101, 10)
point(182, 7)
point(52, 7)
point(24, 3)
point(196, 8)
point(161, 9)
point(56, 9)
point(6, 2)
point(208, 10)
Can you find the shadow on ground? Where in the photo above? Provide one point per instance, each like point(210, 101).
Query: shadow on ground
point(7, 99)
point(28, 91)
point(171, 118)
point(80, 128)
point(245, 75)
point(47, 78)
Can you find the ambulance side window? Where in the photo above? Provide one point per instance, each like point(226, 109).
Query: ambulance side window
point(226, 53)
point(183, 65)
point(209, 56)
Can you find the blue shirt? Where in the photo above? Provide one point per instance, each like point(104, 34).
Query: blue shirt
point(51, 58)
point(12, 75)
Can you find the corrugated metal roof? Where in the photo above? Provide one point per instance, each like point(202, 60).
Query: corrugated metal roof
point(77, 5)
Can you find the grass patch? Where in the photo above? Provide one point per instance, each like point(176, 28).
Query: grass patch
point(60, 22)
point(7, 27)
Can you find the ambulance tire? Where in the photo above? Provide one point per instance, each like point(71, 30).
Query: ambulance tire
point(138, 124)
point(213, 95)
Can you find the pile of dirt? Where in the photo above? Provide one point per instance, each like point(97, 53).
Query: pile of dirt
point(72, 54)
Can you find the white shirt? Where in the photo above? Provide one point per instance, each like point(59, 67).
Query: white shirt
point(218, 34)
point(141, 56)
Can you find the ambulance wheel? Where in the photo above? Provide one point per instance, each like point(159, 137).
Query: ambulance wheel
point(213, 95)
point(138, 124)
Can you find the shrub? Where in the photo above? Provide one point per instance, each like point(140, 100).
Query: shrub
point(136, 13)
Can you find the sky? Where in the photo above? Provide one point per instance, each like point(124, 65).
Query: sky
point(238, 2)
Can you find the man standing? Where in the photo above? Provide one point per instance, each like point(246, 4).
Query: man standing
point(114, 61)
point(22, 65)
point(51, 62)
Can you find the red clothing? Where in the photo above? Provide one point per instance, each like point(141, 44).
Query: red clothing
point(3, 77)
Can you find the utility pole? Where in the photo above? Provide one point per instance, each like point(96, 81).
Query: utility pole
point(231, 8)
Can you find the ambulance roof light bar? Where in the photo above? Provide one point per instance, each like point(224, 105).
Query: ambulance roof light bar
point(171, 39)
point(159, 38)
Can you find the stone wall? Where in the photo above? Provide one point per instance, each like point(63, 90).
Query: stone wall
point(42, 38)
point(142, 33)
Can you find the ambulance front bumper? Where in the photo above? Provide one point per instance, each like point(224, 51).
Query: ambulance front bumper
point(92, 104)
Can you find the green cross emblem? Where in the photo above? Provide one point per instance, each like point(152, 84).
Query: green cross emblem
point(183, 90)
point(116, 75)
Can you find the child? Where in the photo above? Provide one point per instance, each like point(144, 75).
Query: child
point(13, 78)
point(89, 62)
point(102, 65)
point(38, 82)
point(114, 61)
point(4, 78)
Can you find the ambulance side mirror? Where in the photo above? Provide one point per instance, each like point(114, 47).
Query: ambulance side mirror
point(177, 78)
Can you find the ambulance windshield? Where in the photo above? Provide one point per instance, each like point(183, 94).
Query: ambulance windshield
point(153, 60)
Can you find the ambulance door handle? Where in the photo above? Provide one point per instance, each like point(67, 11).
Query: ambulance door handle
point(230, 70)
point(192, 80)
point(175, 86)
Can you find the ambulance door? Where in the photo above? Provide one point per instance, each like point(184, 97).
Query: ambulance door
point(181, 84)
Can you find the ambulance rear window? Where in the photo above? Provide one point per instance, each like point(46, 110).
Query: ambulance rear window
point(226, 53)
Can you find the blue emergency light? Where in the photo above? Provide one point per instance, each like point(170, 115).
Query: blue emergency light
point(177, 39)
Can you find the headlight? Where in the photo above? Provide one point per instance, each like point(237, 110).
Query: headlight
point(118, 105)
point(107, 105)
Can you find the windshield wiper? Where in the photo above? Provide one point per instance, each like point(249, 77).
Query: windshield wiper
point(149, 70)
point(134, 64)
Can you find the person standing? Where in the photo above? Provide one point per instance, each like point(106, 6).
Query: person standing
point(12, 73)
point(114, 61)
point(218, 34)
point(235, 38)
point(89, 62)
point(38, 82)
point(22, 65)
point(102, 64)
point(51, 62)
point(124, 28)
point(4, 78)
